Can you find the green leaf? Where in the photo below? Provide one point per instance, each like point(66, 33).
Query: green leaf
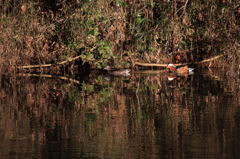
point(182, 44)
point(89, 55)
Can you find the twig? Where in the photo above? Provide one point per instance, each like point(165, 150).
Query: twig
point(60, 63)
point(187, 63)
point(182, 7)
point(49, 65)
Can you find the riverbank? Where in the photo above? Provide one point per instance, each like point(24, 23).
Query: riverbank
point(121, 33)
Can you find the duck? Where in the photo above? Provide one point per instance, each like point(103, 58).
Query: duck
point(182, 70)
point(117, 72)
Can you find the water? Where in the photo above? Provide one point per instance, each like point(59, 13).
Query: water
point(142, 116)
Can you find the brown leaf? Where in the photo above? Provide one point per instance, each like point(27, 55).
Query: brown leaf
point(23, 9)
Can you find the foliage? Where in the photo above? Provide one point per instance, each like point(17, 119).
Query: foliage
point(103, 31)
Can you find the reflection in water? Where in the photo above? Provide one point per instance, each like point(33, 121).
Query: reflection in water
point(142, 116)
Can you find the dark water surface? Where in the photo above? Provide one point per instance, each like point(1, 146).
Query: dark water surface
point(146, 115)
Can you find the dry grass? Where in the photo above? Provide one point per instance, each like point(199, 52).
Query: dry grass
point(146, 31)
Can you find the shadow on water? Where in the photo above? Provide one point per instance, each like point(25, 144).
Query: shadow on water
point(142, 116)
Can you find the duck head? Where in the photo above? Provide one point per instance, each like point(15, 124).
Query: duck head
point(171, 67)
point(108, 68)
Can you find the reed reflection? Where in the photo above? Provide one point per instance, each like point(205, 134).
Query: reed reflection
point(141, 116)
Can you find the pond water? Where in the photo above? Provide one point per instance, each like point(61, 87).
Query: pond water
point(147, 115)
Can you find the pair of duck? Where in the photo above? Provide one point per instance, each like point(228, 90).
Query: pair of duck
point(171, 67)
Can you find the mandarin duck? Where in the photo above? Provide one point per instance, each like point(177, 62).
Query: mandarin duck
point(181, 70)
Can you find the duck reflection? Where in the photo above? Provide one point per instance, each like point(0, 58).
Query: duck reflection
point(172, 76)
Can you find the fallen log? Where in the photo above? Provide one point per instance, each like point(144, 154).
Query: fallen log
point(186, 63)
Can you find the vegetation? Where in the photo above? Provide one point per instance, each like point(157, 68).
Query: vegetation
point(145, 114)
point(102, 31)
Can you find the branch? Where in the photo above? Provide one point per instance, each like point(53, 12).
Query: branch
point(187, 63)
point(136, 63)
point(49, 65)
point(61, 63)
